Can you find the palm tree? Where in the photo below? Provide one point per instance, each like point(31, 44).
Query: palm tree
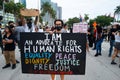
point(86, 17)
point(117, 12)
point(46, 8)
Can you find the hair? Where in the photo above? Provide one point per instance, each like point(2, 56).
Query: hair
point(9, 28)
point(118, 27)
point(99, 28)
point(65, 25)
point(60, 21)
point(19, 23)
point(10, 22)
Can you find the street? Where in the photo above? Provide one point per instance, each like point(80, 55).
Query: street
point(97, 68)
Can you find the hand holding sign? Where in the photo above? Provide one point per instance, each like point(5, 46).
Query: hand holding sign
point(29, 12)
point(42, 53)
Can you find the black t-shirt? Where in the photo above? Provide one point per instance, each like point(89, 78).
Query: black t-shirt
point(10, 46)
point(112, 37)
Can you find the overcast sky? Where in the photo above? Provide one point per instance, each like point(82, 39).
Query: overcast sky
point(73, 8)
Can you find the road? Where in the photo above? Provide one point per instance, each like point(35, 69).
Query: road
point(97, 68)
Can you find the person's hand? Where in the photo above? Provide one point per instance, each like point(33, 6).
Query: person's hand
point(4, 42)
point(50, 32)
point(113, 33)
point(88, 33)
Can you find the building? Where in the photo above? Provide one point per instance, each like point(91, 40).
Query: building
point(23, 2)
point(59, 12)
point(57, 9)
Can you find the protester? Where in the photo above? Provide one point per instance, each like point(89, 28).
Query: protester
point(90, 36)
point(94, 37)
point(29, 24)
point(112, 39)
point(64, 29)
point(9, 48)
point(12, 25)
point(1, 38)
point(99, 40)
point(18, 29)
point(116, 47)
point(58, 29)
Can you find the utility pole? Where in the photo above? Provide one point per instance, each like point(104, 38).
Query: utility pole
point(3, 11)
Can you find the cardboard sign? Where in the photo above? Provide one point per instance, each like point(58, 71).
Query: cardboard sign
point(81, 27)
point(29, 12)
point(42, 53)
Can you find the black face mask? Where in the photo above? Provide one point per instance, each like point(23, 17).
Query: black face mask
point(29, 24)
point(58, 28)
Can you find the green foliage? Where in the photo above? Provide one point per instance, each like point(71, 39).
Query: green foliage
point(117, 10)
point(46, 8)
point(86, 17)
point(14, 8)
point(91, 21)
point(102, 20)
point(71, 21)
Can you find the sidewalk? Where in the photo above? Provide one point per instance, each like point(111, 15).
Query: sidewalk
point(97, 68)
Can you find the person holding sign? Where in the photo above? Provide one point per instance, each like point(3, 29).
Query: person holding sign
point(58, 29)
point(28, 24)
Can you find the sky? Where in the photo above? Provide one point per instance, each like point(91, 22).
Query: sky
point(75, 8)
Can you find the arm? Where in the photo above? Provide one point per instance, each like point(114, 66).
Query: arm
point(36, 20)
point(7, 41)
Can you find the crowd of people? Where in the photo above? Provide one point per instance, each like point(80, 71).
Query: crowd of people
point(96, 35)
point(10, 37)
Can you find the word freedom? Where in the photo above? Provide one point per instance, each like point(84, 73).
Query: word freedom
point(51, 67)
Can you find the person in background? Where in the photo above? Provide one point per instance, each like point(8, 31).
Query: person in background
point(94, 37)
point(64, 29)
point(12, 25)
point(9, 48)
point(1, 38)
point(116, 47)
point(17, 30)
point(36, 29)
point(112, 39)
point(99, 40)
point(29, 24)
point(90, 36)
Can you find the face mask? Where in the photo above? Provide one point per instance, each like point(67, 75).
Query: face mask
point(58, 28)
